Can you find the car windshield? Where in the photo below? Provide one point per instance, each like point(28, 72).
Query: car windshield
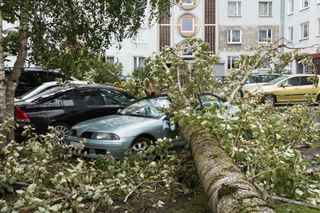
point(276, 80)
point(151, 108)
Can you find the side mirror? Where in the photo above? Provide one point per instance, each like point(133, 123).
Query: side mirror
point(169, 123)
point(172, 125)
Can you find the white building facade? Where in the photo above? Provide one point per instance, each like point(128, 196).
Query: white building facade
point(244, 24)
point(189, 18)
point(302, 29)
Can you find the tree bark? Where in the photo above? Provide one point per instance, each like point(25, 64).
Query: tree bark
point(227, 188)
point(13, 78)
point(2, 73)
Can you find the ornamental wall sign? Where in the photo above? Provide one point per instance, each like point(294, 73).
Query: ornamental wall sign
point(188, 4)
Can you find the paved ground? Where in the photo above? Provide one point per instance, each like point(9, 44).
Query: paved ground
point(311, 154)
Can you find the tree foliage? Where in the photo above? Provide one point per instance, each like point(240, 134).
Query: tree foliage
point(60, 29)
point(181, 79)
point(43, 175)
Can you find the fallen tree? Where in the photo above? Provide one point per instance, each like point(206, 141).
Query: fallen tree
point(227, 187)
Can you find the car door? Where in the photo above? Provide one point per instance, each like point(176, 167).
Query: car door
point(208, 99)
point(307, 90)
point(287, 90)
point(89, 103)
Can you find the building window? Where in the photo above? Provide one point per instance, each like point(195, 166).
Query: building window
point(265, 36)
point(165, 29)
point(304, 30)
point(265, 8)
point(304, 4)
point(188, 4)
point(234, 37)
point(290, 6)
point(290, 33)
point(138, 62)
point(110, 59)
point(209, 24)
point(188, 25)
point(232, 62)
point(234, 8)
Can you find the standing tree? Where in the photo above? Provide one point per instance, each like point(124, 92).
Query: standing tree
point(52, 31)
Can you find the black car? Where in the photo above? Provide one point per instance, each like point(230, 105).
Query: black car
point(30, 78)
point(67, 106)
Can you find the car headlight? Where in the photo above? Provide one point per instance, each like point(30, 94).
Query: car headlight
point(104, 136)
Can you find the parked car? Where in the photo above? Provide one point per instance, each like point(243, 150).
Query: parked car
point(31, 78)
point(290, 89)
point(135, 127)
point(66, 106)
point(47, 86)
point(256, 80)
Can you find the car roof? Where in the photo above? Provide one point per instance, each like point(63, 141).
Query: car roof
point(99, 86)
point(289, 75)
point(264, 74)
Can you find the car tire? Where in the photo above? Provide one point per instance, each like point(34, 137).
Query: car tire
point(62, 129)
point(270, 99)
point(318, 100)
point(140, 146)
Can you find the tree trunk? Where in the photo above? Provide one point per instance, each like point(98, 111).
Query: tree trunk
point(2, 74)
point(13, 78)
point(226, 186)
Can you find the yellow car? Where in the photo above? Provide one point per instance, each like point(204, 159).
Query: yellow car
point(289, 89)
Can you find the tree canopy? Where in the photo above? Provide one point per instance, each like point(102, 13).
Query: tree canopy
point(57, 29)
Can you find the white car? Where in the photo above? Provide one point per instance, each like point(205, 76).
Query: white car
point(257, 80)
point(46, 86)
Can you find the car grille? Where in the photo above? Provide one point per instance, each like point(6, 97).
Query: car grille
point(100, 151)
point(87, 135)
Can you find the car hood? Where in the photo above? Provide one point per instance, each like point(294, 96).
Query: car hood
point(118, 124)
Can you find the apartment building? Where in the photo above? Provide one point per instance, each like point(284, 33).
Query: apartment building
point(187, 19)
point(302, 30)
point(243, 24)
point(231, 27)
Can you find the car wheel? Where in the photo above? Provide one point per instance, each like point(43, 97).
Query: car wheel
point(62, 129)
point(140, 146)
point(318, 100)
point(270, 99)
